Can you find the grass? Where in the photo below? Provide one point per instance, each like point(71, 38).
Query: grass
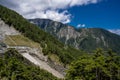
point(20, 40)
point(55, 58)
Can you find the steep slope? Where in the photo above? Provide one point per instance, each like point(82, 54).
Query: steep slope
point(34, 33)
point(13, 66)
point(27, 48)
point(58, 55)
point(87, 39)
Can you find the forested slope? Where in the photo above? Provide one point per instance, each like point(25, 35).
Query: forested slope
point(87, 39)
point(15, 67)
point(49, 44)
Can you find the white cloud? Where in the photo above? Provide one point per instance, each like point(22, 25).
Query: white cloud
point(45, 8)
point(116, 31)
point(51, 14)
point(82, 2)
point(80, 25)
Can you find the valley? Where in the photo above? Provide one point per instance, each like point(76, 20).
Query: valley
point(49, 50)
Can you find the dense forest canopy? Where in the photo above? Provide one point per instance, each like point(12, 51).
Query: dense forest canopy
point(102, 65)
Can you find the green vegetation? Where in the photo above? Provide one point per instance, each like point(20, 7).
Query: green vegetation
point(20, 40)
point(14, 67)
point(99, 38)
point(54, 57)
point(87, 39)
point(49, 44)
point(102, 65)
point(99, 66)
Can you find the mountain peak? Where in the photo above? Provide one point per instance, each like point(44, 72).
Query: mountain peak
point(87, 39)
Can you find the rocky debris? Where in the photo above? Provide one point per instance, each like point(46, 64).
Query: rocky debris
point(45, 66)
point(36, 56)
point(2, 51)
point(1, 37)
point(32, 51)
point(3, 47)
point(7, 30)
point(59, 68)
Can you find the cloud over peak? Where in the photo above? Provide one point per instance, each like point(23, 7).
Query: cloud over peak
point(45, 8)
point(116, 31)
point(80, 26)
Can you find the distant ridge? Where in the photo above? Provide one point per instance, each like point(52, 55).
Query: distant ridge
point(87, 39)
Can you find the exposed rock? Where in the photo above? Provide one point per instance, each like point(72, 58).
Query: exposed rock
point(34, 55)
point(70, 33)
point(87, 39)
point(6, 29)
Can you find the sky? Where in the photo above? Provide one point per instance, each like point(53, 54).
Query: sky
point(78, 13)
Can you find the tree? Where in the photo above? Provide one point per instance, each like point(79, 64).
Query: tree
point(101, 65)
point(81, 69)
point(13, 66)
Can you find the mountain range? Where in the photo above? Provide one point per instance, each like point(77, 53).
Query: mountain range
point(44, 49)
point(33, 44)
point(87, 39)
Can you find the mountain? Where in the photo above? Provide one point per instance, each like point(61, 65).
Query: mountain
point(87, 39)
point(13, 66)
point(35, 45)
point(29, 53)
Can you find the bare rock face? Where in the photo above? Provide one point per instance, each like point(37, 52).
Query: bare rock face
point(87, 39)
point(34, 55)
point(70, 33)
point(6, 29)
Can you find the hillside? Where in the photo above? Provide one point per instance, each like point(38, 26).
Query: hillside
point(13, 66)
point(87, 39)
point(32, 51)
point(34, 33)
point(29, 53)
point(18, 33)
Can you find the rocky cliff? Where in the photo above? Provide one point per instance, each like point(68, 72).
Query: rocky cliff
point(87, 39)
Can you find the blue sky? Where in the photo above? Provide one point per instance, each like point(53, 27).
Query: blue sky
point(78, 13)
point(105, 14)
